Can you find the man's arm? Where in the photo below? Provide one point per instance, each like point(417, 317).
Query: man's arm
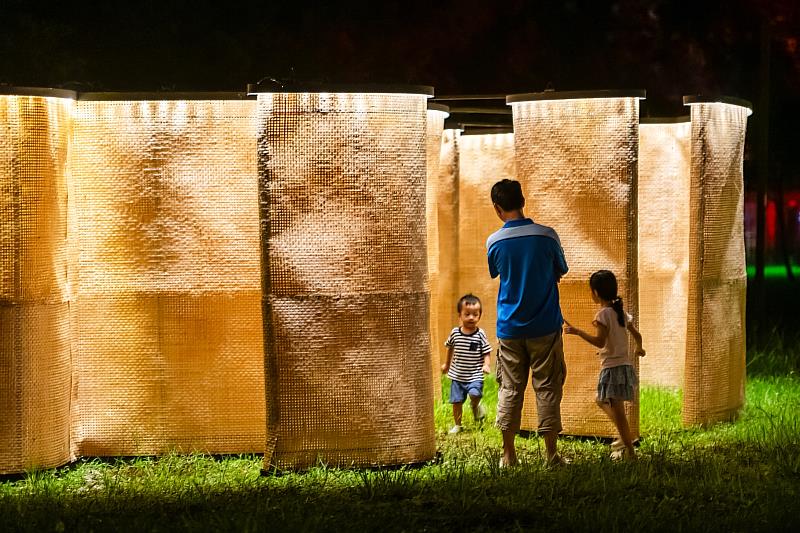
point(559, 263)
point(490, 256)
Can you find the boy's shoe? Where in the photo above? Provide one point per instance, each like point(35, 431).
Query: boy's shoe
point(454, 430)
point(480, 413)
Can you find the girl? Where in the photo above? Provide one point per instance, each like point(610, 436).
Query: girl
point(617, 375)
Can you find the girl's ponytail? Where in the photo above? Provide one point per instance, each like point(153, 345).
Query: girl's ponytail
point(616, 305)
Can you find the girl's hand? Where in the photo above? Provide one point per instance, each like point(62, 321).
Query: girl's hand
point(569, 329)
point(640, 352)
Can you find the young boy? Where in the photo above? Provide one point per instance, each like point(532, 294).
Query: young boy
point(467, 360)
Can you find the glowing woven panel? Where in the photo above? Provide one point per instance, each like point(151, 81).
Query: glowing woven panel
point(344, 275)
point(167, 348)
point(715, 349)
point(576, 160)
point(483, 160)
point(443, 306)
point(34, 304)
point(663, 250)
point(433, 143)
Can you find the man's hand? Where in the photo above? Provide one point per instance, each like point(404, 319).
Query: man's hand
point(640, 352)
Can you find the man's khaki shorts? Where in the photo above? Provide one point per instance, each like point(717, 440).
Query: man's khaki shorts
point(543, 358)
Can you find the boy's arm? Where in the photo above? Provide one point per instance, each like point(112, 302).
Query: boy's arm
point(598, 340)
point(446, 366)
point(638, 338)
point(487, 362)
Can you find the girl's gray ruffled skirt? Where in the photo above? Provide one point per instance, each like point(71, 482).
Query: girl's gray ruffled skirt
point(617, 382)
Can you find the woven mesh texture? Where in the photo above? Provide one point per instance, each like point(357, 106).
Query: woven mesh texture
point(443, 304)
point(167, 334)
point(483, 161)
point(715, 349)
point(576, 160)
point(344, 262)
point(664, 166)
point(34, 303)
point(433, 149)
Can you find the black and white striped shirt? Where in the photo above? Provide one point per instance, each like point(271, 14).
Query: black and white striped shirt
point(468, 354)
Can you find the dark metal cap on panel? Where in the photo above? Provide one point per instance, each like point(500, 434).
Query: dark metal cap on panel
point(365, 88)
point(574, 95)
point(9, 90)
point(432, 106)
point(705, 99)
point(486, 130)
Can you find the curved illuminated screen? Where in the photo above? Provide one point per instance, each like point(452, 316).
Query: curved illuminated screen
point(433, 150)
point(34, 293)
point(664, 218)
point(715, 350)
point(166, 278)
point(342, 181)
point(577, 162)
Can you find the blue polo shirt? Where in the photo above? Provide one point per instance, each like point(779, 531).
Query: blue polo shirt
point(529, 260)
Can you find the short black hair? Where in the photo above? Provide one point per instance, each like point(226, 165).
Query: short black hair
point(468, 299)
point(508, 195)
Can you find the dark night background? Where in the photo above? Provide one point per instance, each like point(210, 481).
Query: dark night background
point(668, 48)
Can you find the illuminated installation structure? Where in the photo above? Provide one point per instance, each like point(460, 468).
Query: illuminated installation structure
point(715, 343)
point(165, 276)
point(483, 160)
point(664, 164)
point(344, 276)
point(34, 293)
point(436, 116)
point(692, 250)
point(577, 161)
point(131, 287)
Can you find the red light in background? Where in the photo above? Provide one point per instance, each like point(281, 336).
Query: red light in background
point(772, 222)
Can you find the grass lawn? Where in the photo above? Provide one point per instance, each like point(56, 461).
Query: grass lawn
point(743, 476)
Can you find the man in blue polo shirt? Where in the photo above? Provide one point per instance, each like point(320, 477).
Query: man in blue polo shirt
point(530, 262)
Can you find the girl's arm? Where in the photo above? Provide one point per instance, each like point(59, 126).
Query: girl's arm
point(598, 340)
point(638, 338)
point(446, 366)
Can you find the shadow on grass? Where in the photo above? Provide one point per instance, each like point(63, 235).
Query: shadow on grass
point(703, 490)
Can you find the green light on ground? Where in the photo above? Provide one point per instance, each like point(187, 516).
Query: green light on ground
point(773, 271)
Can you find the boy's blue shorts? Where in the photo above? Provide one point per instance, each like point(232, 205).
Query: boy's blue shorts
point(460, 389)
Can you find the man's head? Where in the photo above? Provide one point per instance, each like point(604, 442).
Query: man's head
point(507, 197)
